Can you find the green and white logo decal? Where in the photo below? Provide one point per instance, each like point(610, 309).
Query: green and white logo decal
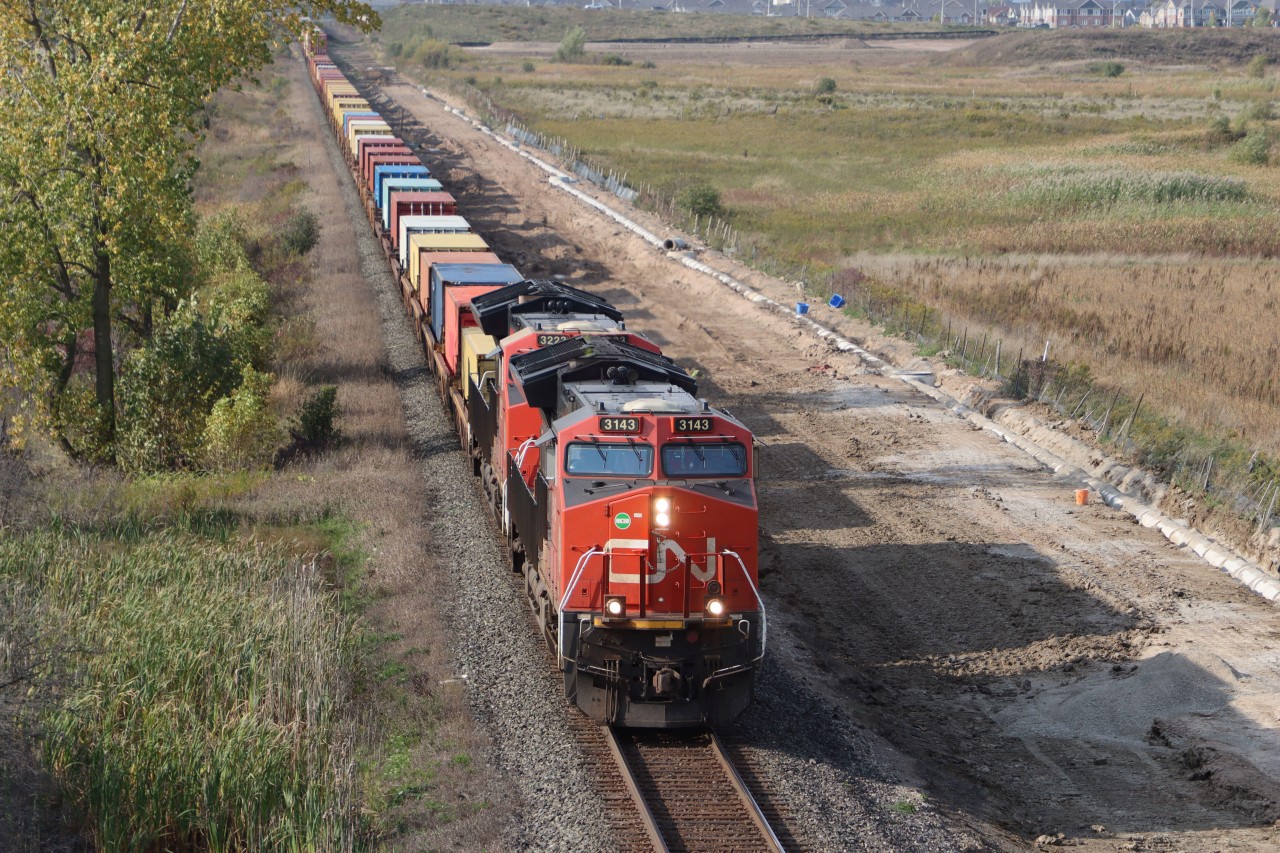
point(622, 521)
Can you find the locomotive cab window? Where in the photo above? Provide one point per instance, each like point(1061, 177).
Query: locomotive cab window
point(704, 460)
point(612, 459)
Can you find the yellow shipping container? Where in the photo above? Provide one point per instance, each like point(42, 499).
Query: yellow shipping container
point(339, 90)
point(478, 358)
point(446, 242)
point(340, 113)
point(363, 128)
point(348, 105)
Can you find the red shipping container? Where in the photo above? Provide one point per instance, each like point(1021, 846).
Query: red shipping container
point(419, 204)
point(378, 146)
point(367, 145)
point(458, 316)
point(429, 258)
point(376, 160)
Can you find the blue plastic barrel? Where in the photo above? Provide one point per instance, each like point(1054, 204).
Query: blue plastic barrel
point(837, 301)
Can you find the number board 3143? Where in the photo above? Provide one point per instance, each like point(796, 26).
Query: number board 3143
point(620, 424)
point(692, 424)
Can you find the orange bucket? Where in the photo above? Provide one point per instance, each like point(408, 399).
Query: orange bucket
point(1082, 497)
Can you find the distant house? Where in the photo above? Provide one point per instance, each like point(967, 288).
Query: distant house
point(1073, 14)
point(835, 9)
point(999, 16)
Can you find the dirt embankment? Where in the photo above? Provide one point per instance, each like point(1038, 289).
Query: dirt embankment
point(1038, 667)
point(1155, 47)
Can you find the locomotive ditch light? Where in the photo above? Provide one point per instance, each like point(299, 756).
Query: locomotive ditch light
point(615, 605)
point(714, 604)
point(662, 512)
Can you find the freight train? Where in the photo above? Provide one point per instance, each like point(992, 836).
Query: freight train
point(627, 502)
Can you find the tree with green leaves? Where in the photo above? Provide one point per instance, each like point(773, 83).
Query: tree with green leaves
point(103, 102)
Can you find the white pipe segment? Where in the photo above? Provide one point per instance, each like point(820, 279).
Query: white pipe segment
point(1217, 555)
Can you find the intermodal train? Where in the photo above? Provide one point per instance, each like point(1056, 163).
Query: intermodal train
point(627, 502)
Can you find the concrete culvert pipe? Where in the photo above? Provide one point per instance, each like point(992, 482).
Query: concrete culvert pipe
point(673, 243)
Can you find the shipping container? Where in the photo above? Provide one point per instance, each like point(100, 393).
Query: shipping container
point(367, 145)
point(472, 278)
point(350, 115)
point(479, 353)
point(381, 173)
point(368, 152)
point(426, 260)
point(449, 242)
point(458, 316)
point(417, 183)
point(378, 160)
point(411, 225)
point(364, 127)
point(418, 204)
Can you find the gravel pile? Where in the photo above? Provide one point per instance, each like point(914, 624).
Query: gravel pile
point(510, 684)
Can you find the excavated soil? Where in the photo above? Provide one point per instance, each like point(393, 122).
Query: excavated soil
point(1050, 674)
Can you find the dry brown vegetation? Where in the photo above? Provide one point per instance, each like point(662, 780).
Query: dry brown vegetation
point(1143, 324)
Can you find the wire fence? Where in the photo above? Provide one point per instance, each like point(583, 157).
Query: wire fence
point(713, 230)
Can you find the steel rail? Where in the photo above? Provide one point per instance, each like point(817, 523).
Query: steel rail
point(748, 801)
point(642, 805)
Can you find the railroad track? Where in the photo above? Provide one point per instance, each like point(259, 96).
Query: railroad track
point(688, 794)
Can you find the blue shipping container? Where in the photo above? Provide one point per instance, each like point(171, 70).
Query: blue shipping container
point(380, 173)
point(448, 275)
point(390, 185)
point(346, 120)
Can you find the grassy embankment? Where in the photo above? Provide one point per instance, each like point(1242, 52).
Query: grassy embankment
point(202, 661)
point(1123, 213)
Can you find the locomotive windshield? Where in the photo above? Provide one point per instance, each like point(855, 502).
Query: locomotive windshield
point(599, 459)
point(704, 460)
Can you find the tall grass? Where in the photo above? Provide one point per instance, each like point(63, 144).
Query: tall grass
point(203, 701)
point(1079, 188)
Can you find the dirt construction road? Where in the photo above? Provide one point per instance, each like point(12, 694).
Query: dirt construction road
point(1038, 667)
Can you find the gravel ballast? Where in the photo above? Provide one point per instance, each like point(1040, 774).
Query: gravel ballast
point(509, 685)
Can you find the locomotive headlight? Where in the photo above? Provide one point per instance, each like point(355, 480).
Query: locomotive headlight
point(662, 505)
point(615, 605)
point(715, 607)
point(662, 520)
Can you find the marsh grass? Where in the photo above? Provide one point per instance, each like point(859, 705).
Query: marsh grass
point(204, 701)
point(1075, 188)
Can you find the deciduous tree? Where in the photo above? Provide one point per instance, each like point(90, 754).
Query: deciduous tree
point(102, 104)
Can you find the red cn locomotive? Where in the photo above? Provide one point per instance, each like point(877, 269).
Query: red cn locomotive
point(628, 504)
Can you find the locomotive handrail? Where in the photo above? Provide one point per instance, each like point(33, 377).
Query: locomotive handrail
point(764, 618)
point(568, 590)
point(524, 448)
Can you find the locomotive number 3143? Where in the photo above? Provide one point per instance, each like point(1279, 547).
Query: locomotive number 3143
point(692, 424)
point(620, 425)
